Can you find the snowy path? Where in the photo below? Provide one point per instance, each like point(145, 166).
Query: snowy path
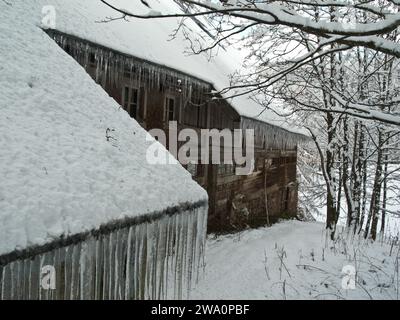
point(236, 267)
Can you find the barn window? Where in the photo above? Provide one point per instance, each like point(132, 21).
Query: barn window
point(127, 72)
point(130, 101)
point(170, 108)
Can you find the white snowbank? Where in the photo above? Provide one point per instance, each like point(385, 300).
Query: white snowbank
point(151, 40)
point(59, 174)
point(248, 266)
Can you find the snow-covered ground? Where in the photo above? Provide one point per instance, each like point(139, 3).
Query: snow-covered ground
point(293, 260)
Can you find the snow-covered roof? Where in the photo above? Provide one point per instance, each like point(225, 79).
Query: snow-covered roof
point(151, 40)
point(71, 160)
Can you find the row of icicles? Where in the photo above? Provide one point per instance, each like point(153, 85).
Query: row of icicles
point(156, 260)
point(112, 67)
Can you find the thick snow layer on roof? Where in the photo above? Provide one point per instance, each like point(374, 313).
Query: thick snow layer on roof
point(59, 174)
point(151, 40)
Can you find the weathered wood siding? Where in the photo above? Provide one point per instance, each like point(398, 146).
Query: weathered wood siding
point(266, 195)
point(235, 202)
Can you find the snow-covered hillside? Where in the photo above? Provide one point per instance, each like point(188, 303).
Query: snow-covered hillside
point(70, 158)
point(293, 260)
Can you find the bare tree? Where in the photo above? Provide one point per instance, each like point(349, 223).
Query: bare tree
point(333, 25)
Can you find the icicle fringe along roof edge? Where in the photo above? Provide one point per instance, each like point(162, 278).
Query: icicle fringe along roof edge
point(60, 37)
point(54, 32)
point(135, 262)
point(152, 40)
point(107, 228)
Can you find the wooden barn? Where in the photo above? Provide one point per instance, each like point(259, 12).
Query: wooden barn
point(157, 91)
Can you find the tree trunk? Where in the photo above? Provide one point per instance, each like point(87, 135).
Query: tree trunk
point(384, 198)
point(374, 210)
point(347, 184)
point(356, 174)
point(331, 213)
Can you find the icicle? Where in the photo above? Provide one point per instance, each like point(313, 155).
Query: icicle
point(6, 294)
point(116, 265)
point(67, 272)
point(1, 282)
point(106, 269)
point(129, 265)
point(136, 262)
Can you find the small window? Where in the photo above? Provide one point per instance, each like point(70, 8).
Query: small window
point(127, 72)
point(131, 101)
point(170, 108)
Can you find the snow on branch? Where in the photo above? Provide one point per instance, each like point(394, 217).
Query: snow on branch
point(293, 14)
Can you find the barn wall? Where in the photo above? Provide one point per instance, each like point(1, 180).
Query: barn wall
point(261, 198)
point(235, 202)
